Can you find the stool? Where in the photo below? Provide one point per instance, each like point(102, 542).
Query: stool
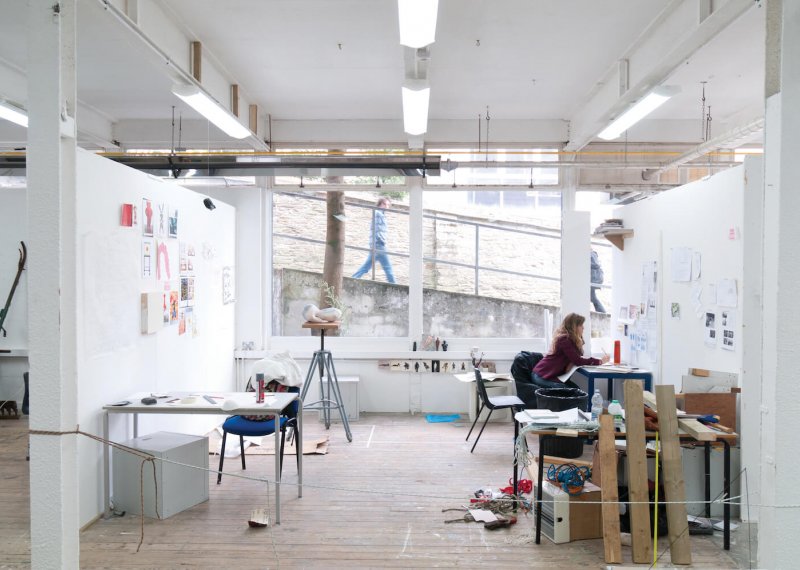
point(323, 361)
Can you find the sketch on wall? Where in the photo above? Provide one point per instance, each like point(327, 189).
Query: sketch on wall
point(162, 219)
point(228, 285)
point(173, 222)
point(147, 258)
point(147, 218)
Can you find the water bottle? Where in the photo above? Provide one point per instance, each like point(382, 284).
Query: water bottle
point(597, 405)
point(616, 410)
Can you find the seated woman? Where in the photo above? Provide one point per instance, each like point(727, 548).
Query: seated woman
point(566, 351)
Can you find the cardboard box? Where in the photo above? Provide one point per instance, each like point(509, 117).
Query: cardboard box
point(584, 517)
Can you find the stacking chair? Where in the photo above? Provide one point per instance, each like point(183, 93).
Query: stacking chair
point(492, 403)
point(242, 426)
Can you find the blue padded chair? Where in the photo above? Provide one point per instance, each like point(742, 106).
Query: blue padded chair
point(241, 426)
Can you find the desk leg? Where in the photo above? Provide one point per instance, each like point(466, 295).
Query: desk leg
point(610, 391)
point(106, 470)
point(707, 464)
point(539, 476)
point(514, 447)
point(135, 426)
point(726, 508)
point(590, 389)
point(277, 474)
point(298, 446)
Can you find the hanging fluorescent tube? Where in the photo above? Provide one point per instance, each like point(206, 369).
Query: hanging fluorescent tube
point(14, 114)
point(417, 22)
point(211, 110)
point(641, 109)
point(415, 107)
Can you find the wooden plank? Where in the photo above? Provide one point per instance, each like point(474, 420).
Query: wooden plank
point(612, 544)
point(692, 427)
point(552, 460)
point(672, 470)
point(235, 100)
point(637, 472)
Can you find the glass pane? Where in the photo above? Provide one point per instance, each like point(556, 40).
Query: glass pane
point(513, 238)
point(372, 235)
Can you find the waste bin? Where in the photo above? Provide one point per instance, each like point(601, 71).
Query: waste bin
point(557, 400)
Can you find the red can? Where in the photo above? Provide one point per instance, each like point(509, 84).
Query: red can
point(617, 350)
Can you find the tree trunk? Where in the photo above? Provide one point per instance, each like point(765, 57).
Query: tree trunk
point(333, 266)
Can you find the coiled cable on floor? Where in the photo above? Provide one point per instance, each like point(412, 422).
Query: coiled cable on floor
point(569, 477)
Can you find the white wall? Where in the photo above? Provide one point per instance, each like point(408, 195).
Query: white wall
point(13, 230)
point(114, 358)
point(700, 216)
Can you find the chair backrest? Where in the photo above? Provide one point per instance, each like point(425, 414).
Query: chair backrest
point(522, 367)
point(482, 388)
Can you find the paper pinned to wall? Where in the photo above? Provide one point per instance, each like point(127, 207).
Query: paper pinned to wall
point(728, 322)
point(710, 294)
point(726, 293)
point(696, 261)
point(681, 265)
point(697, 305)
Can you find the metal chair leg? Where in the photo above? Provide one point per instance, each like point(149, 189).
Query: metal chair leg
point(475, 422)
point(486, 421)
point(241, 447)
point(283, 442)
point(221, 456)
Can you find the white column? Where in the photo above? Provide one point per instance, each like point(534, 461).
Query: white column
point(575, 253)
point(415, 268)
point(779, 522)
point(51, 283)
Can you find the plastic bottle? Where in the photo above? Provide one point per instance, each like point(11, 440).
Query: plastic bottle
point(597, 405)
point(616, 410)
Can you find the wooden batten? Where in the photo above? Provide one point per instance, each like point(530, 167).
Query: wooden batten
point(197, 60)
point(254, 119)
point(612, 541)
point(637, 472)
point(235, 100)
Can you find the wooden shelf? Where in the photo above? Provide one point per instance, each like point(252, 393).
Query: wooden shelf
point(617, 236)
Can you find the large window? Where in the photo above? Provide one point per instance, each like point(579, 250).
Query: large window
point(492, 262)
point(375, 249)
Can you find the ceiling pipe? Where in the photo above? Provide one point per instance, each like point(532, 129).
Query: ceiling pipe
point(182, 75)
point(734, 137)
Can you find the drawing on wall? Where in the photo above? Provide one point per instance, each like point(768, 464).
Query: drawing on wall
point(173, 222)
point(147, 219)
point(633, 312)
point(181, 323)
point(162, 219)
point(165, 307)
point(126, 217)
point(190, 257)
point(727, 293)
point(162, 258)
point(187, 291)
point(174, 304)
point(189, 314)
point(184, 259)
point(676, 310)
point(228, 285)
point(147, 258)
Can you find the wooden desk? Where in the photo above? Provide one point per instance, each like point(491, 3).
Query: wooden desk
point(274, 403)
point(722, 438)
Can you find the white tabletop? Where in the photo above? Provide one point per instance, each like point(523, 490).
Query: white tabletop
point(488, 376)
point(195, 403)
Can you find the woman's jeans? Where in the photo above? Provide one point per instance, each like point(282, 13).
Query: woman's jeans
point(542, 383)
point(382, 258)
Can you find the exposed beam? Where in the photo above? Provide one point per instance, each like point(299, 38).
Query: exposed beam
point(670, 40)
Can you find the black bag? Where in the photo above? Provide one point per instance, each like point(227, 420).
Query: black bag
point(522, 372)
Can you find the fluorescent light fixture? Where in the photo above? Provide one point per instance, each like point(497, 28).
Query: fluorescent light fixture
point(415, 108)
point(641, 109)
point(14, 114)
point(211, 110)
point(417, 22)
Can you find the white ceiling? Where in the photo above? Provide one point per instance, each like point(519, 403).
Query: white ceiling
point(323, 60)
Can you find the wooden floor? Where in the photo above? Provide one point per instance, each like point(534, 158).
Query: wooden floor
point(374, 503)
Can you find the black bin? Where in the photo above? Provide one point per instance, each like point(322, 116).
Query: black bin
point(557, 400)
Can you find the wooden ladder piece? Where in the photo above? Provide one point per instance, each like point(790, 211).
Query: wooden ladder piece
point(637, 473)
point(612, 542)
point(672, 469)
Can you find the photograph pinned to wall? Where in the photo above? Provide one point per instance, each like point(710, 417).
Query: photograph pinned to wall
point(147, 258)
point(697, 305)
point(174, 305)
point(711, 319)
point(172, 222)
point(184, 291)
point(711, 330)
point(728, 322)
point(675, 309)
point(396, 366)
point(190, 257)
point(147, 217)
point(181, 322)
point(161, 226)
point(228, 285)
point(681, 264)
point(165, 306)
point(184, 263)
point(696, 263)
point(633, 312)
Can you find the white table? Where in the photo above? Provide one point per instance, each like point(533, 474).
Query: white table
point(493, 381)
point(274, 403)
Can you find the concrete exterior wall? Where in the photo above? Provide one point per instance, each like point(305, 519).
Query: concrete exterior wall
point(381, 310)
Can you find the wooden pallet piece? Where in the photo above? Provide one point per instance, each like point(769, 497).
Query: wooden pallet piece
point(612, 543)
point(637, 473)
point(691, 426)
point(672, 470)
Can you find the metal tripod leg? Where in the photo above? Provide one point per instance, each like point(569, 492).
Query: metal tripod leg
point(333, 381)
point(323, 361)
